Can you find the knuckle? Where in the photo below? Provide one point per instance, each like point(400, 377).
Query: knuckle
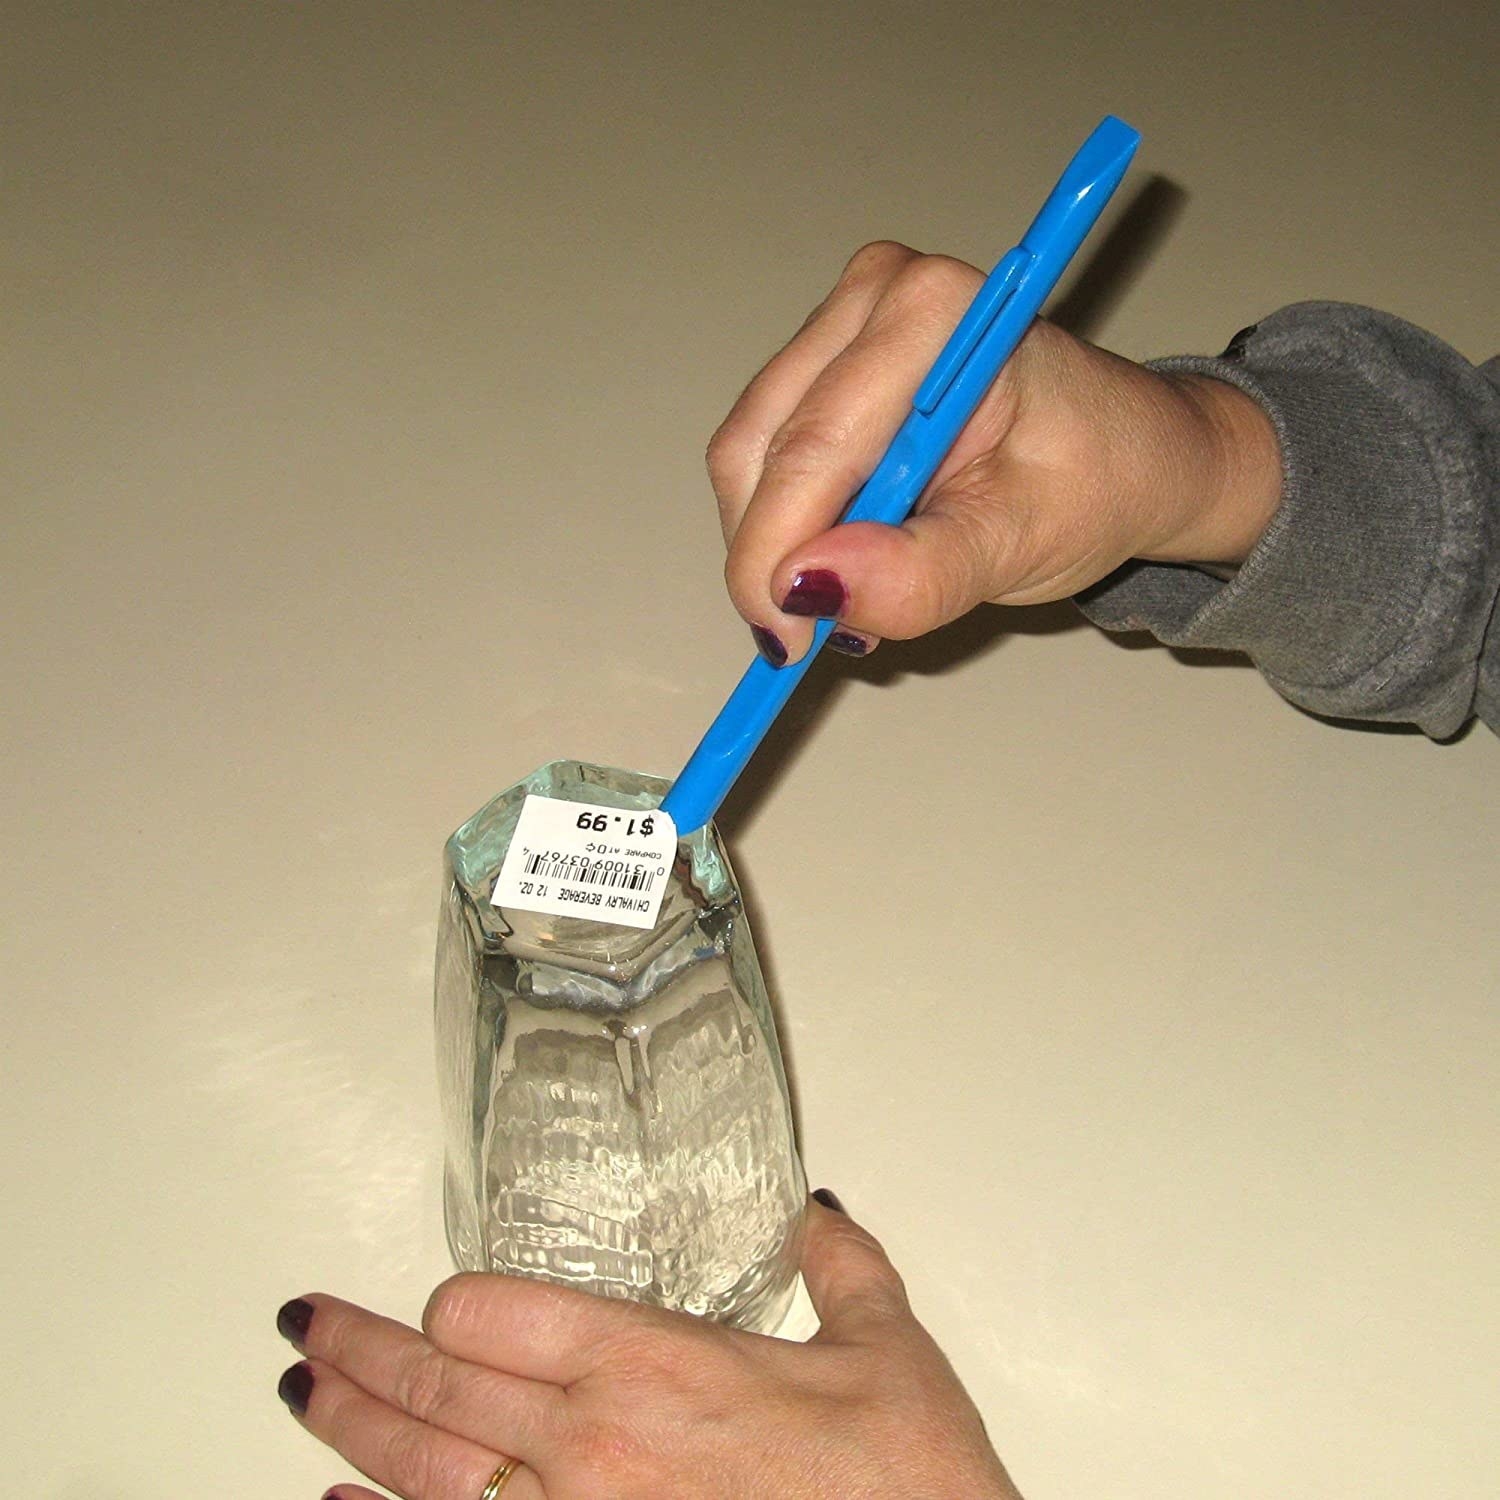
point(806, 447)
point(726, 455)
point(329, 1333)
point(877, 261)
point(935, 281)
point(423, 1384)
point(413, 1465)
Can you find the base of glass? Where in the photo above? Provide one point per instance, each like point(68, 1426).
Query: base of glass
point(779, 1311)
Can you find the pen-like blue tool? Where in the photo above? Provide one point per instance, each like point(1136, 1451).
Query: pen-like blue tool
point(958, 380)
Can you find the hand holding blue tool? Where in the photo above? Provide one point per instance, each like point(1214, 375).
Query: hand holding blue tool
point(962, 374)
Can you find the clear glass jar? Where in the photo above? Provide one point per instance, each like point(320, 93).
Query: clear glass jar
point(615, 1107)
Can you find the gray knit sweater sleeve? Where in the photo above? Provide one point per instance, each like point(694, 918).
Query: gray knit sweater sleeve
point(1372, 593)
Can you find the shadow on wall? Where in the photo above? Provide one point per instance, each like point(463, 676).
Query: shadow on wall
point(1120, 258)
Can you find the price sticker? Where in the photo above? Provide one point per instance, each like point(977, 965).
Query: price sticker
point(574, 859)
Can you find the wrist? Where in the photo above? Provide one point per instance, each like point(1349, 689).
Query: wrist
point(1232, 484)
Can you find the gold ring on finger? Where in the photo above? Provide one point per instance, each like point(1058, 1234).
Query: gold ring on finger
point(499, 1479)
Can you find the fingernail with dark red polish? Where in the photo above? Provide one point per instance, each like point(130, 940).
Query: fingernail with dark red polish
point(768, 645)
point(850, 645)
point(295, 1387)
point(293, 1321)
point(827, 1198)
point(817, 592)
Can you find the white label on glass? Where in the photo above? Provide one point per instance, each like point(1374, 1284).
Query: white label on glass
point(574, 859)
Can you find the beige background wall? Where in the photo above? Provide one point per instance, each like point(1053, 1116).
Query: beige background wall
point(359, 361)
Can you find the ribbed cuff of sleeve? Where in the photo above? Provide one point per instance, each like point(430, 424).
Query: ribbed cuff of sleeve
point(1371, 591)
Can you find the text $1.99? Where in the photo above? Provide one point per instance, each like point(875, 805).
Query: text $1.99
point(599, 823)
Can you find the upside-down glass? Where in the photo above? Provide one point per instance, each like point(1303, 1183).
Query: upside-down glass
point(614, 1101)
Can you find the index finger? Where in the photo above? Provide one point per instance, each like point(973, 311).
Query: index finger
point(833, 441)
point(737, 451)
point(398, 1366)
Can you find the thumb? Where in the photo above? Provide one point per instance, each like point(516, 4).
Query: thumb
point(853, 1286)
point(899, 582)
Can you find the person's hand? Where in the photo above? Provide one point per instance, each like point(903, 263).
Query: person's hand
point(606, 1400)
point(1075, 462)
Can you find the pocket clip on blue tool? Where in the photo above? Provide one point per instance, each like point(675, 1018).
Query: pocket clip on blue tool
point(986, 335)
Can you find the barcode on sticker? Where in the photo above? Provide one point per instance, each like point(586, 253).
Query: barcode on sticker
point(574, 859)
point(572, 868)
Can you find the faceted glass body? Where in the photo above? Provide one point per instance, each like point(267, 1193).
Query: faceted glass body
point(614, 1102)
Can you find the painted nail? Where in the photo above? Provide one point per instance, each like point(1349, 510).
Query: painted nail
point(295, 1387)
point(817, 592)
point(769, 646)
point(850, 645)
point(293, 1321)
point(829, 1199)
